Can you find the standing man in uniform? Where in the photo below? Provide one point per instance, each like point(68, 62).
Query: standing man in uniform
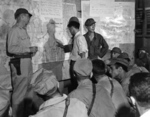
point(97, 45)
point(19, 47)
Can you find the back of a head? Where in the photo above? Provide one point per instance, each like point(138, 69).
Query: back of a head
point(74, 24)
point(45, 82)
point(83, 67)
point(99, 67)
point(139, 88)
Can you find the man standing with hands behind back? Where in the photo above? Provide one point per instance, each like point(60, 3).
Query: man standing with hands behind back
point(21, 51)
point(97, 45)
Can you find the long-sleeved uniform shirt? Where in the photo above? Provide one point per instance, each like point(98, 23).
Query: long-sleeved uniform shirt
point(98, 47)
point(102, 107)
point(55, 107)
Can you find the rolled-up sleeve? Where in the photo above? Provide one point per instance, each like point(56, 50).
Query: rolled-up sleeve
point(82, 44)
point(14, 45)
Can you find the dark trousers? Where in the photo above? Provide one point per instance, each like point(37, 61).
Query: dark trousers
point(74, 83)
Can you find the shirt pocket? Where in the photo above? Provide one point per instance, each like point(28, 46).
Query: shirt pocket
point(25, 41)
point(96, 44)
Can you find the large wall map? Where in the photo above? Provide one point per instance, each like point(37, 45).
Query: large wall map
point(47, 25)
point(114, 20)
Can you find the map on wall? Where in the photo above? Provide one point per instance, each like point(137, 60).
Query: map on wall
point(115, 21)
point(47, 25)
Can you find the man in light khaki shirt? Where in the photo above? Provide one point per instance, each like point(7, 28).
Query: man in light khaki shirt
point(19, 47)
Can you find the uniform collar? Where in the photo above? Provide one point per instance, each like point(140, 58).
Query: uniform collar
point(102, 78)
point(17, 25)
point(84, 82)
point(53, 101)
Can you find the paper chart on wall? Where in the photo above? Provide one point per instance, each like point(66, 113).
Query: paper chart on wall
point(116, 25)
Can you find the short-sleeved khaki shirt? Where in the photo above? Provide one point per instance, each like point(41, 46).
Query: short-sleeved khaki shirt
point(18, 40)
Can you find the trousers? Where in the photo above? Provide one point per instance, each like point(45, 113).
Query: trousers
point(20, 84)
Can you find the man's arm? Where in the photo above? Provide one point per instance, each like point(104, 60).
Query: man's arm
point(82, 44)
point(83, 55)
point(104, 48)
point(68, 48)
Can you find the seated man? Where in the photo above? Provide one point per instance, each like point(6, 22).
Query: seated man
point(56, 104)
point(119, 71)
point(115, 52)
point(132, 70)
point(139, 88)
point(144, 58)
point(111, 85)
point(96, 99)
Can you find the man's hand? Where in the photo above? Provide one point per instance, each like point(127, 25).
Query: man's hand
point(59, 44)
point(33, 49)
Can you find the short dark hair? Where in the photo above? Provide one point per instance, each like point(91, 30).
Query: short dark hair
point(117, 65)
point(74, 24)
point(98, 67)
point(139, 88)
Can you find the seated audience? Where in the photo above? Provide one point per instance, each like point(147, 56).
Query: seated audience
point(56, 104)
point(96, 99)
point(111, 85)
point(132, 69)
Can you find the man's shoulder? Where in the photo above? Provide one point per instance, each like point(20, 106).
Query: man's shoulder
point(80, 36)
point(77, 108)
point(76, 102)
point(14, 29)
point(86, 34)
point(76, 93)
point(98, 35)
point(116, 83)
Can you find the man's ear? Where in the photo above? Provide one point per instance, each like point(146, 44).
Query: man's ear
point(120, 69)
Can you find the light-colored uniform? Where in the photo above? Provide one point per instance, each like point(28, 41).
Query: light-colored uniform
point(102, 107)
point(79, 46)
point(55, 107)
point(118, 95)
point(19, 43)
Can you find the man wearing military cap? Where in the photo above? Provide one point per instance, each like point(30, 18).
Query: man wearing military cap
point(20, 51)
point(144, 58)
point(97, 45)
point(102, 105)
point(119, 71)
point(115, 52)
point(119, 68)
point(56, 104)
